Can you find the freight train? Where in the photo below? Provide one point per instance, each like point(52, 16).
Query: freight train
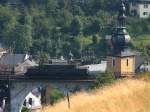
point(51, 71)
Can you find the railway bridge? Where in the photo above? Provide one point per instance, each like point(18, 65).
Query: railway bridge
point(19, 87)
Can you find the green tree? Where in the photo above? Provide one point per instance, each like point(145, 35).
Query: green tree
point(30, 3)
point(33, 25)
point(24, 109)
point(51, 7)
point(75, 27)
point(92, 27)
point(55, 95)
point(43, 58)
point(8, 20)
point(3, 1)
point(104, 79)
point(95, 39)
point(20, 39)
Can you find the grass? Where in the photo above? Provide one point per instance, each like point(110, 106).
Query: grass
point(130, 95)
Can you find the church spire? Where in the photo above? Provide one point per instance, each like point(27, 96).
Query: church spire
point(121, 38)
point(122, 16)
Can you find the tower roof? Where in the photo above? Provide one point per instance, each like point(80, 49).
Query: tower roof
point(120, 38)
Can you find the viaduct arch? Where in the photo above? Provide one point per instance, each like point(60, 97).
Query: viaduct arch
point(20, 88)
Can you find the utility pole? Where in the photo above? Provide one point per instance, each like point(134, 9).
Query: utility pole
point(68, 99)
point(8, 99)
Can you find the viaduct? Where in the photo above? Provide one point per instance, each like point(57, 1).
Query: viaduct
point(18, 87)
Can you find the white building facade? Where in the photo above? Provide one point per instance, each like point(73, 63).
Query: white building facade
point(140, 8)
point(33, 100)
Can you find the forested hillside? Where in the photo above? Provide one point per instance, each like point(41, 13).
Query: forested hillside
point(56, 27)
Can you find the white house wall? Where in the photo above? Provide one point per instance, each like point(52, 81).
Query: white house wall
point(36, 100)
point(133, 7)
point(139, 8)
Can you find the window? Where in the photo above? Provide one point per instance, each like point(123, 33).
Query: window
point(113, 62)
point(25, 102)
point(145, 5)
point(133, 4)
point(127, 62)
point(145, 13)
point(30, 101)
point(133, 12)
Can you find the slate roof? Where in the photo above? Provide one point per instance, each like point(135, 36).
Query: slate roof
point(12, 59)
point(125, 53)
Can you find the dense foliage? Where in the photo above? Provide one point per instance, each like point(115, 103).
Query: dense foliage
point(104, 79)
point(56, 27)
point(24, 109)
point(55, 95)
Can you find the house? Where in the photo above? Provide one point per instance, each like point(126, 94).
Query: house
point(18, 63)
point(142, 64)
point(2, 51)
point(145, 68)
point(33, 100)
point(140, 8)
point(95, 69)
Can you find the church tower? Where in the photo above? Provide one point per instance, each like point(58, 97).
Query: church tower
point(120, 59)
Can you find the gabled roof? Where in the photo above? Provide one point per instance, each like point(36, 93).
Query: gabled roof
point(13, 59)
point(2, 50)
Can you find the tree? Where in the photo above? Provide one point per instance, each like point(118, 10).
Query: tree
point(104, 79)
point(43, 58)
point(20, 39)
point(24, 109)
point(55, 95)
point(30, 3)
point(8, 20)
point(3, 1)
point(92, 27)
point(76, 10)
point(33, 25)
point(145, 51)
point(51, 7)
point(75, 27)
point(96, 5)
point(95, 39)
